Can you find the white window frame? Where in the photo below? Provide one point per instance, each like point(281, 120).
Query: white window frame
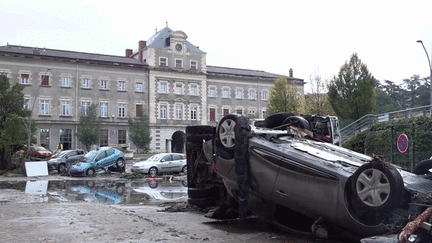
point(239, 93)
point(264, 95)
point(85, 106)
point(179, 112)
point(121, 110)
point(252, 94)
point(85, 83)
point(25, 81)
point(65, 107)
point(193, 112)
point(103, 109)
point(163, 84)
point(177, 62)
point(103, 84)
point(163, 61)
point(193, 65)
point(121, 85)
point(163, 111)
point(193, 88)
point(44, 106)
point(26, 104)
point(139, 87)
point(178, 88)
point(66, 81)
point(212, 91)
point(227, 91)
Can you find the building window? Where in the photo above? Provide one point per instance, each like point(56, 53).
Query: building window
point(44, 137)
point(264, 95)
point(121, 110)
point(193, 89)
point(163, 88)
point(65, 108)
point(25, 79)
point(103, 137)
point(251, 113)
point(45, 80)
point(65, 81)
point(139, 87)
point(193, 113)
point(240, 112)
point(121, 136)
point(163, 112)
point(251, 94)
point(212, 114)
point(85, 83)
point(264, 113)
point(225, 112)
point(85, 106)
point(163, 61)
point(44, 107)
point(139, 109)
point(104, 109)
point(212, 92)
point(104, 84)
point(121, 85)
point(178, 63)
point(193, 65)
point(179, 89)
point(66, 138)
point(239, 94)
point(225, 93)
point(179, 112)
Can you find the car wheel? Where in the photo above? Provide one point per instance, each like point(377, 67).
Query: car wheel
point(120, 189)
point(90, 172)
point(297, 121)
point(153, 171)
point(228, 155)
point(226, 131)
point(423, 168)
point(61, 168)
point(184, 169)
point(120, 163)
point(377, 186)
point(276, 120)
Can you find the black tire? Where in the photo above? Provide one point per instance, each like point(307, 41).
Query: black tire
point(277, 120)
point(226, 131)
point(423, 168)
point(184, 169)
point(90, 172)
point(90, 184)
point(297, 121)
point(199, 129)
point(153, 171)
point(120, 189)
point(377, 186)
point(61, 167)
point(220, 152)
point(201, 202)
point(120, 163)
point(195, 193)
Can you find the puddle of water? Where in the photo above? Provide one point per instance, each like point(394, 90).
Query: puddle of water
point(106, 192)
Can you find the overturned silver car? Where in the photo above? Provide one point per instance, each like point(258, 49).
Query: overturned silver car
point(292, 173)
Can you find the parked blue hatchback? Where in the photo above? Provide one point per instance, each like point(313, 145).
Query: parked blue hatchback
point(97, 160)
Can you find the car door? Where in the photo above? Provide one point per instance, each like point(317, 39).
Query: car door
point(166, 163)
point(100, 159)
point(71, 157)
point(177, 162)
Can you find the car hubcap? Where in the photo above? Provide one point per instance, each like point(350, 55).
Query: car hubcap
point(227, 133)
point(120, 163)
point(373, 187)
point(152, 171)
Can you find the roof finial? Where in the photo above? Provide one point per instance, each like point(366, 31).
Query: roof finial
point(167, 23)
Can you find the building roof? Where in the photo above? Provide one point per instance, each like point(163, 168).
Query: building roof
point(72, 56)
point(158, 41)
point(237, 72)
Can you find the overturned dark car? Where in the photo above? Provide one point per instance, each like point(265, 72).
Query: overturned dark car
point(291, 172)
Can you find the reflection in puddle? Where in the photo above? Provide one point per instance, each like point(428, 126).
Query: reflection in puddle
point(106, 192)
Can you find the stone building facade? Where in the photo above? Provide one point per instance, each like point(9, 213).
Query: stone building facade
point(166, 76)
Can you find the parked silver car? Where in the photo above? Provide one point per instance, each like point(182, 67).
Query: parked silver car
point(162, 163)
point(61, 160)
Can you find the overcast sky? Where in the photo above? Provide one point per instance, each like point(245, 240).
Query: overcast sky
point(273, 36)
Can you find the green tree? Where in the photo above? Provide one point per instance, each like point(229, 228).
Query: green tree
point(11, 129)
point(352, 94)
point(89, 127)
point(139, 130)
point(284, 97)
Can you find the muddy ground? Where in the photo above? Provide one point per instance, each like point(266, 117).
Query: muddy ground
point(33, 218)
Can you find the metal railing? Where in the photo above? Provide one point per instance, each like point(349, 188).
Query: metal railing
point(366, 121)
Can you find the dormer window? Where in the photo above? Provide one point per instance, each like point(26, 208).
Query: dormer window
point(163, 61)
point(193, 65)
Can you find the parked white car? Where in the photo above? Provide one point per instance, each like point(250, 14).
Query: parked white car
point(162, 163)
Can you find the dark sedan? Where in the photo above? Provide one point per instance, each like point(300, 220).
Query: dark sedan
point(61, 160)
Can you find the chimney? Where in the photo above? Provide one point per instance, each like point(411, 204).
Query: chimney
point(141, 45)
point(291, 72)
point(129, 52)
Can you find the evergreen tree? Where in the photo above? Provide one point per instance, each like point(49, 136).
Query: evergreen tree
point(139, 130)
point(89, 127)
point(352, 94)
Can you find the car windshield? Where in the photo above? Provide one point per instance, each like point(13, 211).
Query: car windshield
point(89, 156)
point(62, 154)
point(155, 157)
point(39, 148)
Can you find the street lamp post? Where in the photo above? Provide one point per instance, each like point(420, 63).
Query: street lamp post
point(430, 70)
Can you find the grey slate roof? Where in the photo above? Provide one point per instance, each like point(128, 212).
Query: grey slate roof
point(69, 55)
point(214, 70)
point(158, 40)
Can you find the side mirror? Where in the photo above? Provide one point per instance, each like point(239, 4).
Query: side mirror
point(162, 160)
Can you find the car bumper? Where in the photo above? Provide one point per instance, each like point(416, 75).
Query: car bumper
point(77, 173)
point(140, 170)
